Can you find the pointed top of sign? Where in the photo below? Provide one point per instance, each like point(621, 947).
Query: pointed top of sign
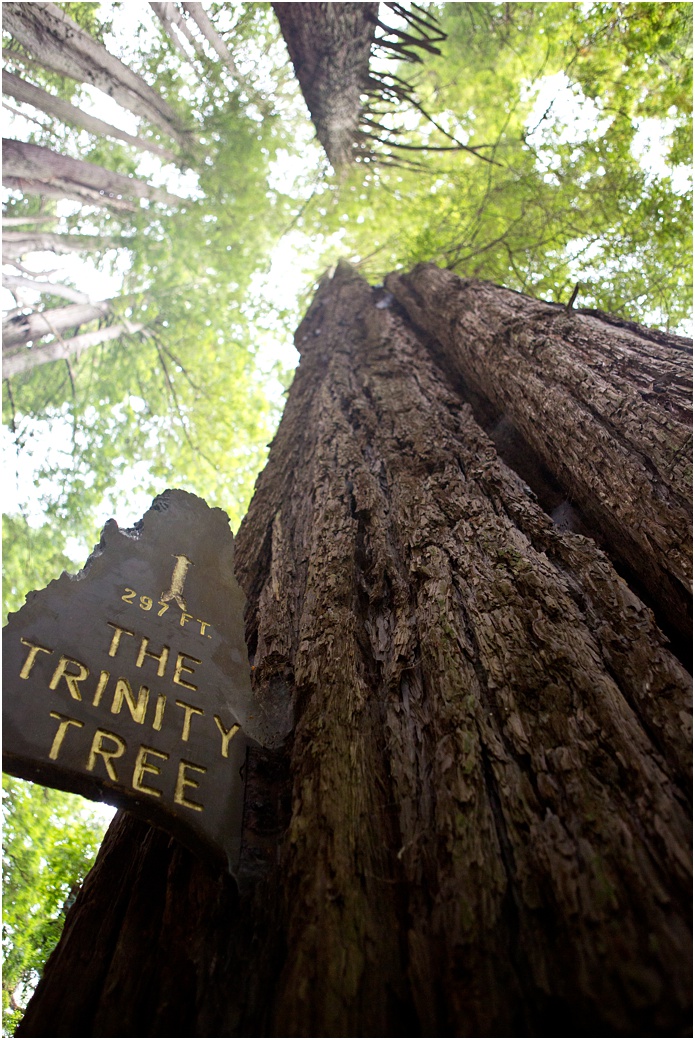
point(130, 681)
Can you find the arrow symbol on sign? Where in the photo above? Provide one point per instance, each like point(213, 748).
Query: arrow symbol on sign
point(178, 578)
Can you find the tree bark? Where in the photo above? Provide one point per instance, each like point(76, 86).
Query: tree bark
point(17, 281)
point(18, 243)
point(16, 332)
point(330, 47)
point(61, 350)
point(36, 170)
point(478, 822)
point(19, 89)
point(614, 426)
point(59, 44)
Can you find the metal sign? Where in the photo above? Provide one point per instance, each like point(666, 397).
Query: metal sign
point(130, 682)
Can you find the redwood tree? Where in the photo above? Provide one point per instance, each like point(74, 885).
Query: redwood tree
point(475, 819)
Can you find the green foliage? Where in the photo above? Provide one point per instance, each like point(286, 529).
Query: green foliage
point(566, 197)
point(184, 394)
point(50, 840)
point(29, 555)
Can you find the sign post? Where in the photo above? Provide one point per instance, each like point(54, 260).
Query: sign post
point(130, 682)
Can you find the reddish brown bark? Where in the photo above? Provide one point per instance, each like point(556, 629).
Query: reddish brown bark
point(477, 825)
point(605, 405)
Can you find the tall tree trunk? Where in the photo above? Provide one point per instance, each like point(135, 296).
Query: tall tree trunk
point(36, 170)
point(64, 349)
point(19, 243)
point(478, 822)
point(18, 281)
point(614, 428)
point(20, 330)
point(19, 89)
point(59, 44)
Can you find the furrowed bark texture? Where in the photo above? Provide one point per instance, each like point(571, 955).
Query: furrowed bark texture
point(478, 824)
point(330, 46)
point(59, 44)
point(604, 405)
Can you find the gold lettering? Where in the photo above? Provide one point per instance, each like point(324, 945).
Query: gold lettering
point(31, 657)
point(178, 578)
point(142, 766)
point(182, 781)
point(60, 733)
point(189, 711)
point(71, 680)
point(160, 658)
point(115, 642)
point(181, 667)
point(101, 686)
point(203, 625)
point(159, 712)
point(98, 748)
point(226, 734)
point(185, 618)
point(123, 692)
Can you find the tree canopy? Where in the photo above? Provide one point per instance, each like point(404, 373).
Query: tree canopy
point(545, 147)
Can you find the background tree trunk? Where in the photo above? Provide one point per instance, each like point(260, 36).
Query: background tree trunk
point(59, 44)
point(25, 327)
point(199, 16)
point(330, 47)
point(478, 823)
point(64, 349)
point(20, 90)
point(170, 16)
point(20, 221)
point(19, 243)
point(36, 170)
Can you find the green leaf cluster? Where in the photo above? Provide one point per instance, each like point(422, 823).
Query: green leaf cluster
point(50, 840)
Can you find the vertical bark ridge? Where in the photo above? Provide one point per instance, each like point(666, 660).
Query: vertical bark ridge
point(606, 406)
